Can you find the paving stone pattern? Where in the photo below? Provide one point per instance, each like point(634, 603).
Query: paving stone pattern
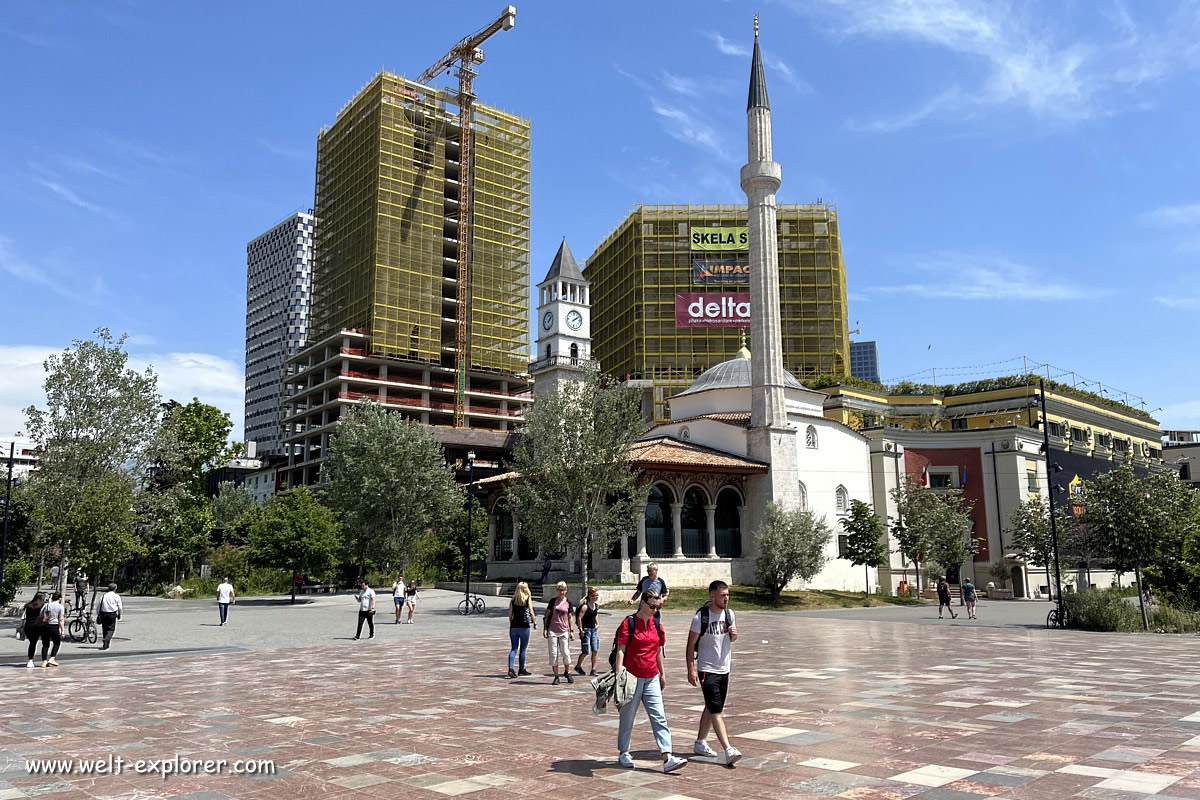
point(821, 708)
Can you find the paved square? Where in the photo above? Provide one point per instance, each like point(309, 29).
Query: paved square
point(845, 708)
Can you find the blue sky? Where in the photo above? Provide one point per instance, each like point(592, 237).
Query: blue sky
point(1013, 179)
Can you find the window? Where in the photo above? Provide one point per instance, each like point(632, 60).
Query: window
point(1031, 480)
point(803, 497)
point(1079, 435)
point(958, 424)
point(1055, 429)
point(843, 500)
point(1185, 471)
point(843, 544)
point(940, 480)
point(810, 437)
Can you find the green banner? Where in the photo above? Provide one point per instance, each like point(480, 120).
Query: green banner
point(711, 239)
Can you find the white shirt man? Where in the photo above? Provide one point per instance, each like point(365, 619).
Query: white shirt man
point(366, 610)
point(709, 657)
point(110, 612)
point(225, 597)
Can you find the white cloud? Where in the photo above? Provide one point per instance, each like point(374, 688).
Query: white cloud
point(961, 276)
point(68, 194)
point(691, 128)
point(181, 376)
point(23, 269)
point(1179, 303)
point(1024, 62)
point(727, 47)
point(1181, 216)
point(294, 153)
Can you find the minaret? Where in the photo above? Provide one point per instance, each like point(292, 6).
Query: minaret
point(770, 438)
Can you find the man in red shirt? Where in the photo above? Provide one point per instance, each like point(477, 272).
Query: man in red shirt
point(642, 656)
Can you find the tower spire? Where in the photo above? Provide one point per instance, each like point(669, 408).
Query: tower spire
point(758, 81)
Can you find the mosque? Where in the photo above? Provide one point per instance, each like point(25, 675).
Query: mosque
point(744, 434)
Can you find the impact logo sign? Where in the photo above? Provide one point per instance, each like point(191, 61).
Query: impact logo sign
point(693, 310)
point(708, 271)
point(721, 239)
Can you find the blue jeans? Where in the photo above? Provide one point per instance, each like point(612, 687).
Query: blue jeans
point(589, 640)
point(224, 608)
point(648, 694)
point(518, 637)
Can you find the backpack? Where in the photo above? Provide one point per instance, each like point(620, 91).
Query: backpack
point(631, 623)
point(703, 612)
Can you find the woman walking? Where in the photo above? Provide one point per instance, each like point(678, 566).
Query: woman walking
point(31, 623)
point(520, 620)
point(410, 600)
point(54, 623)
point(640, 652)
point(558, 632)
point(589, 636)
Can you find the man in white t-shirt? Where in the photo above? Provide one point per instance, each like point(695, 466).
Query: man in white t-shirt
point(225, 597)
point(709, 655)
point(366, 610)
point(398, 595)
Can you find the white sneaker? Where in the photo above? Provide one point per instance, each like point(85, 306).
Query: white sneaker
point(673, 763)
point(625, 760)
point(29, 664)
point(702, 749)
point(732, 756)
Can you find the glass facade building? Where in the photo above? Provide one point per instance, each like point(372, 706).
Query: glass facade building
point(661, 259)
point(864, 361)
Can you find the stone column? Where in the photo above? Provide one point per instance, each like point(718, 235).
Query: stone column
point(710, 520)
point(492, 554)
point(642, 555)
point(516, 553)
point(749, 547)
point(677, 528)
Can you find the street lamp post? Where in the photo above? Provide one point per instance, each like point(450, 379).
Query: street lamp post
point(7, 504)
point(470, 531)
point(1050, 485)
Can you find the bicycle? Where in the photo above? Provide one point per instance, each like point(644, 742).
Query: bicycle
point(1053, 620)
point(473, 603)
point(82, 628)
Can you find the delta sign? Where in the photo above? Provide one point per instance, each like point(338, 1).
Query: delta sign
point(694, 310)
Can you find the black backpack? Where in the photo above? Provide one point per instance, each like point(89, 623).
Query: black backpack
point(703, 612)
point(631, 623)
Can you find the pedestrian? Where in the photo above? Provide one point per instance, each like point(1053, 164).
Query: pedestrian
point(589, 636)
point(520, 621)
point(709, 654)
point(366, 610)
point(54, 576)
point(640, 643)
point(546, 566)
point(398, 595)
point(410, 600)
point(54, 625)
point(558, 631)
point(651, 581)
point(81, 588)
point(943, 593)
point(968, 591)
point(31, 623)
point(226, 597)
point(110, 611)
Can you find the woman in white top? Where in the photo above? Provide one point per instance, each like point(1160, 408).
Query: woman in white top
point(54, 622)
point(398, 596)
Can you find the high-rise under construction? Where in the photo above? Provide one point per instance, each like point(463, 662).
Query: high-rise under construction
point(385, 317)
point(670, 293)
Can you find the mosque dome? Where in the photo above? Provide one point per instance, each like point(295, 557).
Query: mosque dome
point(733, 374)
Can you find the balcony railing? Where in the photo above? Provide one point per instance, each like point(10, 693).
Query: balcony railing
point(561, 361)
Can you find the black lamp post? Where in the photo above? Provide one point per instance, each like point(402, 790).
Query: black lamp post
point(7, 503)
point(1050, 470)
point(470, 530)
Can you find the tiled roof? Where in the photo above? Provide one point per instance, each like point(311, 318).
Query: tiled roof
point(665, 451)
point(739, 418)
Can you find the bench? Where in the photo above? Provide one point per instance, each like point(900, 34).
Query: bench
point(316, 588)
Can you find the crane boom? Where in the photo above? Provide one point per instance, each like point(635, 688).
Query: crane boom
point(466, 54)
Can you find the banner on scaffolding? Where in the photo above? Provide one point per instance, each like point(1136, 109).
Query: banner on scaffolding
point(721, 239)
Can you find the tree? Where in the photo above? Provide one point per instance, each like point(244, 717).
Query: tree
point(191, 440)
point(936, 525)
point(294, 531)
point(232, 501)
point(442, 555)
point(913, 539)
point(387, 478)
point(1172, 567)
point(866, 545)
point(98, 422)
point(576, 487)
point(791, 544)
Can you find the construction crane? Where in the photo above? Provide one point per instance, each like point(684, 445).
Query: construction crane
point(466, 55)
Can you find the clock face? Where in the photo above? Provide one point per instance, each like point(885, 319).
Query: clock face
point(548, 320)
point(574, 320)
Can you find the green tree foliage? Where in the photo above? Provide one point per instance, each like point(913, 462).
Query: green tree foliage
point(576, 488)
point(387, 478)
point(441, 555)
point(93, 434)
point(190, 441)
point(294, 531)
point(936, 525)
point(791, 544)
point(232, 501)
point(229, 561)
point(866, 545)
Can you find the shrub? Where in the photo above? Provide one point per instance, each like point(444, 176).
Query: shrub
point(791, 544)
point(229, 561)
point(1102, 610)
point(1173, 620)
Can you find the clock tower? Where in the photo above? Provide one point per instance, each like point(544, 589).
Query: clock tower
point(564, 325)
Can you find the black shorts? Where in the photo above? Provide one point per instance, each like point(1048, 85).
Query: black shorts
point(716, 688)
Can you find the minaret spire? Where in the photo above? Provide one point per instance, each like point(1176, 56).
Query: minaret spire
point(758, 81)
